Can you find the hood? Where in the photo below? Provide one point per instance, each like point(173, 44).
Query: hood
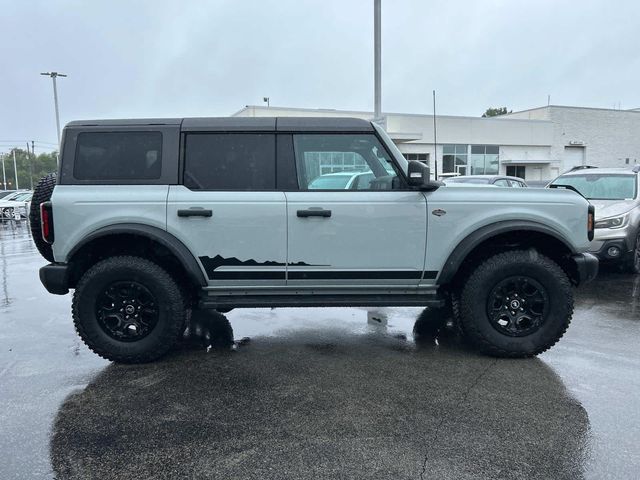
point(12, 203)
point(611, 208)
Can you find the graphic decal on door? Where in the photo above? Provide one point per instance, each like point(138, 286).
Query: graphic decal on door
point(254, 270)
point(213, 264)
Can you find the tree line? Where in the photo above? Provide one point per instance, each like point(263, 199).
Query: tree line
point(31, 168)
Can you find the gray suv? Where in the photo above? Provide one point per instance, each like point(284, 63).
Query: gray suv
point(614, 193)
point(148, 220)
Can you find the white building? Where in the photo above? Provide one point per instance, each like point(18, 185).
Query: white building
point(535, 144)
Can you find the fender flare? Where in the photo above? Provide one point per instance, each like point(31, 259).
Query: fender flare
point(164, 238)
point(471, 241)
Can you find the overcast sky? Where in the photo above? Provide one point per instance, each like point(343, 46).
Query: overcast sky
point(160, 58)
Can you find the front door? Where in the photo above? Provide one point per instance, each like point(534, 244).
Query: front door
point(352, 222)
point(227, 211)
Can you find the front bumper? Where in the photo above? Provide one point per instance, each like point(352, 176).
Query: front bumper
point(601, 250)
point(55, 278)
point(587, 266)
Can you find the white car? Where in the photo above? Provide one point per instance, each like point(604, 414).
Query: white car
point(15, 204)
point(343, 181)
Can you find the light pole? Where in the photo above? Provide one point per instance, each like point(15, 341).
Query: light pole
point(53, 76)
point(15, 169)
point(377, 64)
point(4, 174)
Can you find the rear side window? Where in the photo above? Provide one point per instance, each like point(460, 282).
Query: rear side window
point(118, 156)
point(230, 161)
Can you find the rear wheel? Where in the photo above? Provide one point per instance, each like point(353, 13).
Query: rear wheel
point(128, 309)
point(516, 304)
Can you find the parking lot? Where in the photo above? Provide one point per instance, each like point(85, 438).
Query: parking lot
point(316, 393)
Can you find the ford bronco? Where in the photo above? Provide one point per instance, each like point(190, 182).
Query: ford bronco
point(148, 219)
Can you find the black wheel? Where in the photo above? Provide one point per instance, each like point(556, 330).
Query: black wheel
point(128, 309)
point(7, 213)
point(430, 322)
point(516, 304)
point(42, 193)
point(633, 264)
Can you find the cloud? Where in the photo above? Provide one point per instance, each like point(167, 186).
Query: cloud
point(190, 58)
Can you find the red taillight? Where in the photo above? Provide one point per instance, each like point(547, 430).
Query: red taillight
point(46, 221)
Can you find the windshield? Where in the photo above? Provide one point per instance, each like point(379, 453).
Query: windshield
point(397, 154)
point(601, 186)
point(468, 180)
point(330, 182)
point(21, 197)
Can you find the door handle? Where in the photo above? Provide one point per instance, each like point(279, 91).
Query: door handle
point(316, 212)
point(194, 212)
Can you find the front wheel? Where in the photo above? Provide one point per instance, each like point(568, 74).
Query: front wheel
point(128, 309)
point(516, 304)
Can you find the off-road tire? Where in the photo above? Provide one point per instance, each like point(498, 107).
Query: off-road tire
point(171, 318)
point(42, 193)
point(474, 318)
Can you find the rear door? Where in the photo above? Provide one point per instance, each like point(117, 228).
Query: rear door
point(372, 235)
point(227, 210)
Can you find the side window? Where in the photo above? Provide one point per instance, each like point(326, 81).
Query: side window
point(516, 184)
point(343, 162)
point(501, 183)
point(230, 161)
point(118, 156)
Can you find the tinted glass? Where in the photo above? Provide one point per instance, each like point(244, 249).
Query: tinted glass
point(230, 161)
point(343, 162)
point(484, 181)
point(601, 186)
point(118, 156)
point(501, 183)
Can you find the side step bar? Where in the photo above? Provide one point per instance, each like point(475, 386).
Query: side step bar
point(346, 300)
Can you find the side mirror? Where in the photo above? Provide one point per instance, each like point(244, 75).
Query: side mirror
point(419, 176)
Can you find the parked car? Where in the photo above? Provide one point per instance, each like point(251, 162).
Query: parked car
point(151, 219)
point(343, 181)
point(17, 202)
point(5, 193)
point(496, 180)
point(614, 193)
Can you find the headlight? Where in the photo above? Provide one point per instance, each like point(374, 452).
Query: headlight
point(613, 222)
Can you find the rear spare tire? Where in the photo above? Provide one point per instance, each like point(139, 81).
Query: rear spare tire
point(516, 304)
point(128, 309)
point(41, 194)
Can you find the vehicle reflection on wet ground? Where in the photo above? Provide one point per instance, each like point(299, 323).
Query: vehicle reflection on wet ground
point(316, 393)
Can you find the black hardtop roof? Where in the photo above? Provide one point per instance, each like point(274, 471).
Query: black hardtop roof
point(230, 124)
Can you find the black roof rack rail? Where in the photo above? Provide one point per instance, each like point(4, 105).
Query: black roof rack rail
point(580, 167)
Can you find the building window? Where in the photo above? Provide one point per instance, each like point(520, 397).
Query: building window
point(515, 171)
point(454, 159)
point(484, 160)
point(420, 157)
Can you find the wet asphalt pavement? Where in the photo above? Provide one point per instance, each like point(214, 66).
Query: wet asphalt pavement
point(316, 393)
